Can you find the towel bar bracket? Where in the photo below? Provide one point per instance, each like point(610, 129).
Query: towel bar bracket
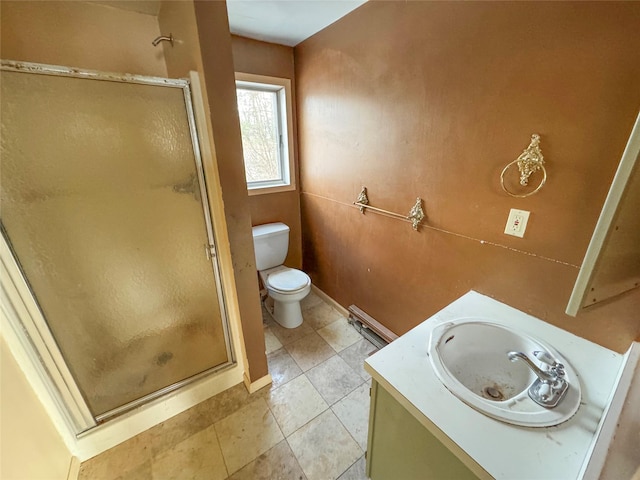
point(415, 216)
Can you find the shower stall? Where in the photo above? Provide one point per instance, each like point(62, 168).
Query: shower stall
point(108, 236)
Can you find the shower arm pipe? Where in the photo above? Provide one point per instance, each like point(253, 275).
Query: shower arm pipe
point(416, 214)
point(163, 38)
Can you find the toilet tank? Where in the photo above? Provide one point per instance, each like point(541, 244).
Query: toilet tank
point(270, 242)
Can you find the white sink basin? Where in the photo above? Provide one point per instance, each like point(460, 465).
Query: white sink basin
point(469, 356)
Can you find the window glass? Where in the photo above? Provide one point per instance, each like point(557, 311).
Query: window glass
point(260, 134)
point(262, 109)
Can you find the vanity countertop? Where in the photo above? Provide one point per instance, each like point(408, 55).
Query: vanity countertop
point(485, 445)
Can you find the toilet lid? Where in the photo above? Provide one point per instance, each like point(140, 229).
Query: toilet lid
point(288, 280)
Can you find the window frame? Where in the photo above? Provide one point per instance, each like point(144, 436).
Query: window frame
point(282, 86)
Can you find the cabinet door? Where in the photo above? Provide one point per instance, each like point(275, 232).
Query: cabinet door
point(401, 448)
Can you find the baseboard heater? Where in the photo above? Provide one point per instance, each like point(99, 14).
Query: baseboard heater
point(370, 328)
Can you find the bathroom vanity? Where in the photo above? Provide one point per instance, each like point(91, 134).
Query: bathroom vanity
point(418, 429)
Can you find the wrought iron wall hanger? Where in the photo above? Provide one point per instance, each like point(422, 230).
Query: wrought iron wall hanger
point(416, 214)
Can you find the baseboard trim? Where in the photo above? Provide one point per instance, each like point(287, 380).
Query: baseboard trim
point(330, 301)
point(253, 387)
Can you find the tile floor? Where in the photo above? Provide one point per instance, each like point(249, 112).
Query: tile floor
point(311, 423)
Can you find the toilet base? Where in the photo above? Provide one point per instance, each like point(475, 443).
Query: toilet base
point(287, 314)
point(285, 307)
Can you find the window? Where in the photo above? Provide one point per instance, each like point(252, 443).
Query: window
point(264, 108)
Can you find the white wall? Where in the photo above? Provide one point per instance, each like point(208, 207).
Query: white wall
point(30, 446)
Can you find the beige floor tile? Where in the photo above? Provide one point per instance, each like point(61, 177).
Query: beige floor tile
point(310, 301)
point(171, 432)
point(321, 315)
point(324, 448)
point(282, 367)
point(340, 334)
point(357, 471)
point(119, 461)
point(295, 403)
point(246, 434)
point(290, 335)
point(141, 472)
point(334, 379)
point(279, 463)
point(353, 412)
point(271, 341)
point(310, 351)
point(356, 354)
point(195, 458)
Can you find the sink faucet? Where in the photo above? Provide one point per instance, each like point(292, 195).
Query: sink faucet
point(548, 376)
point(550, 386)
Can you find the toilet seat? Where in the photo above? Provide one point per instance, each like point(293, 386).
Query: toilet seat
point(288, 281)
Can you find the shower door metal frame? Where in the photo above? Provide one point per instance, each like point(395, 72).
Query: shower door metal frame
point(26, 321)
point(21, 307)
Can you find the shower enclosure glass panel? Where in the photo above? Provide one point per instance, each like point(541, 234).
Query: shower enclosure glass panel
point(103, 208)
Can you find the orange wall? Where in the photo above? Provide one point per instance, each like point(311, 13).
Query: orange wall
point(86, 35)
point(433, 99)
point(260, 58)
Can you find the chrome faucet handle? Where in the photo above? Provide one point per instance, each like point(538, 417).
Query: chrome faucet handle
point(545, 357)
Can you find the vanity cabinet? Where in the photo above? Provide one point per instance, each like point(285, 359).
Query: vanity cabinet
point(419, 430)
point(401, 448)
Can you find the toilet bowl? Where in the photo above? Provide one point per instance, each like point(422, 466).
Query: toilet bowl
point(285, 286)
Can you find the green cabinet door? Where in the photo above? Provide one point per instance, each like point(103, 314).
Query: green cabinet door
point(401, 448)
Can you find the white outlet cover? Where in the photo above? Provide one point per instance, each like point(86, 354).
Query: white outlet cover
point(517, 223)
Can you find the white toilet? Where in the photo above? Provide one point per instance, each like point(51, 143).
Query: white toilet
point(286, 286)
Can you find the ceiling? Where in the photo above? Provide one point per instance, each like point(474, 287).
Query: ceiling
point(286, 22)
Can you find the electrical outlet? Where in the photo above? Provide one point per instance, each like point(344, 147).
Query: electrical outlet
point(517, 223)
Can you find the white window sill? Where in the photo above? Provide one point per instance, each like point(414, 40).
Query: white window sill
point(273, 189)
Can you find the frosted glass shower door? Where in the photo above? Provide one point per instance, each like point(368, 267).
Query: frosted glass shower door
point(103, 208)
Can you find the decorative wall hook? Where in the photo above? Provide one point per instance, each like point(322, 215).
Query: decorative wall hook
point(530, 161)
point(416, 214)
point(362, 199)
